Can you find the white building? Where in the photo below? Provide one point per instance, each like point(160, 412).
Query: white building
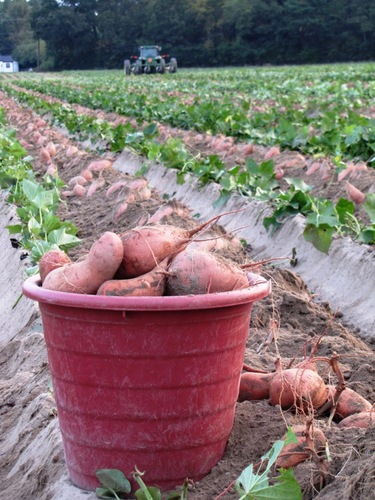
point(8, 65)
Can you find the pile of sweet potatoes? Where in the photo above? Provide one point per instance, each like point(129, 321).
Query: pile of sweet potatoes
point(149, 260)
point(302, 389)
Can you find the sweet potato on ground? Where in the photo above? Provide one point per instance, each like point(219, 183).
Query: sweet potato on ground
point(97, 184)
point(254, 386)
point(362, 420)
point(348, 403)
point(297, 388)
point(294, 454)
point(165, 212)
point(99, 165)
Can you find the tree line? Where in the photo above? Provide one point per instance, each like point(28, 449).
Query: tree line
point(94, 34)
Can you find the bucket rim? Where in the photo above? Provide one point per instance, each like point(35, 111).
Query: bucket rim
point(32, 289)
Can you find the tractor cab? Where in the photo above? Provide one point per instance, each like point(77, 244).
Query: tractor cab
point(148, 52)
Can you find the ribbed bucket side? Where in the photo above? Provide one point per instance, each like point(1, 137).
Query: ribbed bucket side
point(152, 389)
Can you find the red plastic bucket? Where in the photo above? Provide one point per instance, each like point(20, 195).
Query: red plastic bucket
point(150, 382)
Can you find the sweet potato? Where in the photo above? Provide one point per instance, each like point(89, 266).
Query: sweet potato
point(254, 386)
point(216, 239)
point(361, 420)
point(40, 123)
point(36, 135)
point(348, 403)
point(294, 454)
point(248, 149)
point(129, 184)
point(87, 174)
point(52, 260)
point(79, 190)
point(146, 246)
point(78, 179)
point(95, 185)
point(151, 284)
point(52, 170)
point(113, 188)
point(41, 140)
point(67, 194)
point(71, 151)
point(122, 206)
point(85, 277)
point(164, 212)
point(137, 183)
point(355, 195)
point(44, 156)
point(297, 388)
point(99, 165)
point(199, 272)
point(272, 152)
point(51, 148)
point(314, 166)
point(143, 193)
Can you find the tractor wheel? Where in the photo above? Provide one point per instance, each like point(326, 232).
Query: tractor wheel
point(127, 67)
point(137, 69)
point(162, 66)
point(173, 65)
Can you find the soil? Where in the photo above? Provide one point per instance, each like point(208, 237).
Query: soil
point(287, 324)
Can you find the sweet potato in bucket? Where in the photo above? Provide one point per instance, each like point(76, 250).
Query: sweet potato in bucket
point(151, 284)
point(86, 276)
point(198, 272)
point(146, 246)
point(52, 260)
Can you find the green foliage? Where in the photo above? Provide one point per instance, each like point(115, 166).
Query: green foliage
point(324, 219)
point(250, 485)
point(306, 118)
point(39, 228)
point(253, 485)
point(114, 483)
point(316, 112)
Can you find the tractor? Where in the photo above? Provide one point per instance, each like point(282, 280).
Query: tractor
point(150, 60)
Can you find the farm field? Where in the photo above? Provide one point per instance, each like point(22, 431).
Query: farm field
point(299, 142)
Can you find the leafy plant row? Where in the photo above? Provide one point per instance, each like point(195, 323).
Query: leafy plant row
point(323, 115)
point(39, 229)
point(324, 218)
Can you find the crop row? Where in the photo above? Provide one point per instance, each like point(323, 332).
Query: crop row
point(322, 112)
point(324, 218)
point(36, 200)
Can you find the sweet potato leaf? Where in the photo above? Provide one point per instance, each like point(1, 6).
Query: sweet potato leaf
point(320, 236)
point(114, 480)
point(253, 485)
point(152, 493)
